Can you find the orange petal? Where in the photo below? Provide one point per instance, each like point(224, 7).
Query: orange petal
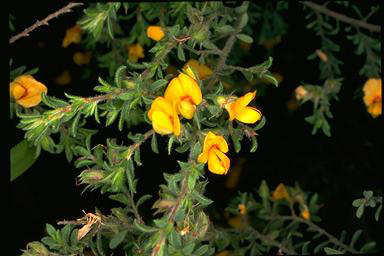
point(249, 115)
point(16, 90)
point(190, 88)
point(28, 102)
point(243, 101)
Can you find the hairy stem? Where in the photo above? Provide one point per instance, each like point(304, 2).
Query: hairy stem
point(342, 17)
point(39, 23)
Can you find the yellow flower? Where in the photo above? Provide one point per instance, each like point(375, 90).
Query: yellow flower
point(184, 93)
point(164, 117)
point(242, 209)
point(81, 58)
point(26, 91)
point(213, 153)
point(155, 32)
point(322, 55)
point(240, 111)
point(201, 69)
point(135, 51)
point(72, 35)
point(372, 96)
point(280, 192)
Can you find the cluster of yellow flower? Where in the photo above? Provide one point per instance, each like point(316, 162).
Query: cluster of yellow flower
point(181, 97)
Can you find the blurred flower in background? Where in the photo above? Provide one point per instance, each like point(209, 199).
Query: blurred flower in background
point(135, 51)
point(72, 35)
point(155, 32)
point(82, 58)
point(372, 96)
point(63, 78)
point(202, 70)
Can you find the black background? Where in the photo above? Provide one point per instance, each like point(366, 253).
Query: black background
point(338, 168)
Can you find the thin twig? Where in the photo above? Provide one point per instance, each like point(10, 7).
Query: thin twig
point(227, 48)
point(342, 17)
point(39, 23)
point(320, 230)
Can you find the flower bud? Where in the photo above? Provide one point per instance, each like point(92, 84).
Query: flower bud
point(36, 248)
point(129, 84)
point(201, 34)
point(91, 177)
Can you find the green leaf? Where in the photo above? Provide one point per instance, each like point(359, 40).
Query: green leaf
point(368, 194)
point(51, 231)
point(367, 248)
point(330, 251)
point(245, 38)
point(117, 239)
point(119, 75)
point(180, 52)
point(360, 211)
point(355, 237)
point(188, 249)
point(158, 85)
point(136, 157)
point(254, 144)
point(272, 79)
point(175, 239)
point(154, 146)
point(144, 228)
point(170, 143)
point(203, 249)
point(377, 213)
point(143, 199)
point(358, 202)
point(201, 199)
point(22, 157)
point(261, 123)
point(319, 247)
point(304, 249)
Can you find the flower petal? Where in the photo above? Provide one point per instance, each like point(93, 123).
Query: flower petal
point(16, 90)
point(163, 105)
point(191, 88)
point(161, 123)
point(174, 90)
point(249, 115)
point(218, 162)
point(30, 101)
point(186, 109)
point(243, 101)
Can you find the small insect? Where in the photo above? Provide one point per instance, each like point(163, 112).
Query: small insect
point(91, 219)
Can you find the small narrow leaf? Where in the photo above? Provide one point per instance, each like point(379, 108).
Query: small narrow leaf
point(245, 38)
point(154, 146)
point(360, 211)
point(117, 239)
point(22, 158)
point(180, 52)
point(330, 251)
point(119, 75)
point(355, 237)
point(144, 228)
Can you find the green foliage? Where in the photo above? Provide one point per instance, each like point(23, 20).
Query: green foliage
point(180, 224)
point(368, 200)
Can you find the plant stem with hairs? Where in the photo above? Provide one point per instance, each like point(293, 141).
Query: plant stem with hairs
point(39, 23)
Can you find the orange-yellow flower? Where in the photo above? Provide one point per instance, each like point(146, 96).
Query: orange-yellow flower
point(155, 32)
point(81, 58)
point(280, 192)
point(135, 51)
point(184, 93)
point(164, 117)
point(72, 35)
point(372, 96)
point(202, 70)
point(305, 213)
point(242, 209)
point(213, 152)
point(300, 92)
point(239, 110)
point(26, 91)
